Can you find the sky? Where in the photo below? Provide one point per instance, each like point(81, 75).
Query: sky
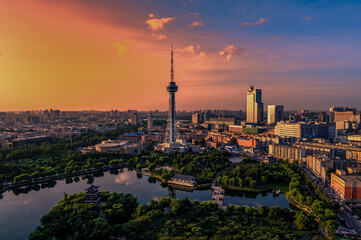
point(115, 54)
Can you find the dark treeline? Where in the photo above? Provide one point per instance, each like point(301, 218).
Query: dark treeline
point(31, 162)
point(168, 218)
point(249, 174)
point(204, 166)
point(320, 208)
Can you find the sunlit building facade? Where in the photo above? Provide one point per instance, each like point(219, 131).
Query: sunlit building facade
point(254, 105)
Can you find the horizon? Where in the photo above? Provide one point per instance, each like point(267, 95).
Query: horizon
point(116, 55)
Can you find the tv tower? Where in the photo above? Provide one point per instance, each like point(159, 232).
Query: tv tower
point(172, 88)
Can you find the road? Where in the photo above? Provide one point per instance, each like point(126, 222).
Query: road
point(350, 220)
point(353, 223)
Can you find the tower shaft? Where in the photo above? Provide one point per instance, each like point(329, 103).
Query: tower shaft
point(172, 88)
point(171, 117)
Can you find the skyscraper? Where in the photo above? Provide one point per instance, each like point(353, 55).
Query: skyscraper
point(274, 114)
point(172, 88)
point(254, 105)
point(150, 122)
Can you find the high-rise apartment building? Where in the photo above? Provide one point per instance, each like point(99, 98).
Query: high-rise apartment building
point(150, 122)
point(134, 117)
point(274, 114)
point(195, 118)
point(254, 105)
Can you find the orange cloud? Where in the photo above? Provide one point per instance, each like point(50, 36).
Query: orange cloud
point(159, 36)
point(192, 51)
point(158, 23)
point(307, 18)
point(196, 24)
point(260, 21)
point(121, 47)
point(226, 54)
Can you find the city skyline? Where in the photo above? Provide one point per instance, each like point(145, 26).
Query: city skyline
point(90, 55)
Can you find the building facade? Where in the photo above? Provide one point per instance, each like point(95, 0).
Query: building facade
point(274, 114)
point(291, 153)
point(254, 105)
point(305, 130)
point(319, 165)
point(347, 187)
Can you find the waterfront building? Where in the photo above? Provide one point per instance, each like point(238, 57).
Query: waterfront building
point(92, 195)
point(254, 105)
point(274, 114)
point(183, 180)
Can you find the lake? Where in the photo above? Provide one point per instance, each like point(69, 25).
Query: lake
point(20, 213)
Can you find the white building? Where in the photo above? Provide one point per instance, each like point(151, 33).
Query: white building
point(274, 114)
point(254, 105)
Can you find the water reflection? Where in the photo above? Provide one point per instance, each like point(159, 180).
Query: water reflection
point(22, 208)
point(126, 178)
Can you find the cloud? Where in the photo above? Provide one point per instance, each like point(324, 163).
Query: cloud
point(307, 18)
point(226, 54)
point(159, 36)
point(188, 49)
point(196, 24)
point(151, 15)
point(195, 14)
point(260, 21)
point(192, 51)
point(156, 24)
point(121, 47)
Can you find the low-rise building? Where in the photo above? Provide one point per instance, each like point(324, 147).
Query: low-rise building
point(110, 146)
point(305, 130)
point(288, 152)
point(246, 142)
point(347, 187)
point(183, 180)
point(154, 137)
point(319, 165)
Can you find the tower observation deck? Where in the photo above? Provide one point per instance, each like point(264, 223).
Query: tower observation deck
point(172, 88)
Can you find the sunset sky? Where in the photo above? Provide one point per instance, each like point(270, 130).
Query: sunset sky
point(115, 54)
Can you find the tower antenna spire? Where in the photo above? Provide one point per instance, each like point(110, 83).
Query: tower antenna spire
point(171, 68)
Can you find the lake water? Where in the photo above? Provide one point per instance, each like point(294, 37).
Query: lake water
point(20, 214)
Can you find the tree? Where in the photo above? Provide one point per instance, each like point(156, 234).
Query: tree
point(240, 182)
point(304, 221)
point(331, 227)
point(253, 183)
point(263, 179)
